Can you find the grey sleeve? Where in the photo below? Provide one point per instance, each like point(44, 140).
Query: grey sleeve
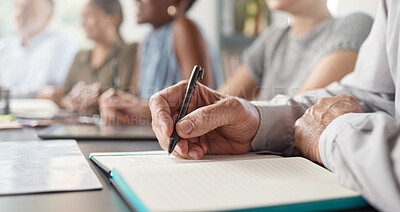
point(363, 150)
point(349, 33)
point(254, 56)
point(277, 118)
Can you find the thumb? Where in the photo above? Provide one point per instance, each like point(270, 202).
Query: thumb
point(206, 119)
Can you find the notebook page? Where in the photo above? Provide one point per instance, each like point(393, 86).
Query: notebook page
point(161, 158)
point(231, 185)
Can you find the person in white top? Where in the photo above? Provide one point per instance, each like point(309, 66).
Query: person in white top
point(351, 127)
point(35, 56)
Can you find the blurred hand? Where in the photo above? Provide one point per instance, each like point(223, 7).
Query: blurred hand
point(52, 93)
point(308, 129)
point(83, 98)
point(121, 108)
point(215, 123)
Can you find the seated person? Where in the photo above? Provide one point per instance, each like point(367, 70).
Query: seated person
point(312, 52)
point(91, 73)
point(36, 56)
point(356, 137)
point(167, 55)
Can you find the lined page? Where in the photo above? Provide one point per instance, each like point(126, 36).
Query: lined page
point(228, 185)
point(161, 158)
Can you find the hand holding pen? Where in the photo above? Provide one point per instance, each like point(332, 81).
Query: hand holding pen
point(197, 73)
point(215, 123)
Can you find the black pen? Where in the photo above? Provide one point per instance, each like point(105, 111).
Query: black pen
point(115, 82)
point(114, 65)
point(197, 73)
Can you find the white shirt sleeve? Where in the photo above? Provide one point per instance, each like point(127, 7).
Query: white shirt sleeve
point(363, 150)
point(61, 57)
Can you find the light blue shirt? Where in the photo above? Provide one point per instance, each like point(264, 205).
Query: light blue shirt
point(159, 67)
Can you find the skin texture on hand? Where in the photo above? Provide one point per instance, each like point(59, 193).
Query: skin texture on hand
point(311, 125)
point(215, 123)
point(121, 108)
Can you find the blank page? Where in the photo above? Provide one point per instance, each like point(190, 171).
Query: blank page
point(229, 185)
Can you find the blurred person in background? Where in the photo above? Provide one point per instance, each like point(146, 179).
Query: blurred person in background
point(92, 73)
point(310, 53)
point(168, 54)
point(36, 56)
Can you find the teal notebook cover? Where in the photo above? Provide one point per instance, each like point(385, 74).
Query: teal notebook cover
point(325, 205)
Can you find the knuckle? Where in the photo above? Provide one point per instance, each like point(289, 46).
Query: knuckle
point(324, 100)
point(153, 98)
point(183, 83)
point(298, 124)
point(352, 99)
point(203, 116)
point(234, 103)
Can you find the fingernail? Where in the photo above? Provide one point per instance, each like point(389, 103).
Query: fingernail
point(178, 149)
point(185, 126)
point(193, 154)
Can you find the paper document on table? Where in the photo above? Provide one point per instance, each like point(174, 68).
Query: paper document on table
point(44, 166)
point(233, 185)
point(34, 108)
point(108, 161)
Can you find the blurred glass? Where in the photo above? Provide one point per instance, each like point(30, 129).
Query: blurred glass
point(4, 101)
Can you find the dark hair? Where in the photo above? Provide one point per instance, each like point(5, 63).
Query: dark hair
point(190, 4)
point(111, 7)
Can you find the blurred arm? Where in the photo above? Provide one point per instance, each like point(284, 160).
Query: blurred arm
point(332, 67)
point(241, 84)
point(191, 50)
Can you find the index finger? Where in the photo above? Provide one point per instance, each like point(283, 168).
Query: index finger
point(161, 106)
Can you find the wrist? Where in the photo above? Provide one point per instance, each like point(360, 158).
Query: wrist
point(254, 118)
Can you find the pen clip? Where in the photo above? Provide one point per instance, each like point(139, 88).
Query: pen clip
point(201, 74)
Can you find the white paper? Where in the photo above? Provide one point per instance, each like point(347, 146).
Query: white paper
point(34, 108)
point(44, 166)
point(229, 185)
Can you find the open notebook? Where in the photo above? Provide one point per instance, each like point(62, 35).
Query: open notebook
point(153, 181)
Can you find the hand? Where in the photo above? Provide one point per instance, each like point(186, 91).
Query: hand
point(308, 129)
point(52, 93)
point(121, 108)
point(83, 98)
point(215, 123)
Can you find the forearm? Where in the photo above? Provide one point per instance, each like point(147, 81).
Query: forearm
point(240, 84)
point(363, 151)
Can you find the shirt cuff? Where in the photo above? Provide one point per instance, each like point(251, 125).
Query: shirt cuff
point(258, 142)
point(328, 137)
point(276, 129)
